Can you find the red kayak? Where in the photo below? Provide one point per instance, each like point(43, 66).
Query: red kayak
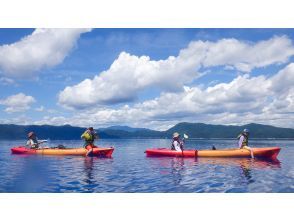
point(268, 152)
point(97, 151)
point(157, 152)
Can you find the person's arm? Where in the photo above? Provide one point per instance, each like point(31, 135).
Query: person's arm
point(240, 141)
point(96, 135)
point(182, 144)
point(28, 143)
point(83, 135)
point(36, 144)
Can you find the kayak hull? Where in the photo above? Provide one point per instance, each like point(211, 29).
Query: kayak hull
point(164, 152)
point(97, 152)
point(269, 152)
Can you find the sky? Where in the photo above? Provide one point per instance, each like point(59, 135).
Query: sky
point(152, 78)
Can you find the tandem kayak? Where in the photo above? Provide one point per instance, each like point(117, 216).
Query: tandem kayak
point(98, 151)
point(268, 152)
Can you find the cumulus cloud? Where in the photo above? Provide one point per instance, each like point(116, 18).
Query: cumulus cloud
point(244, 56)
point(130, 74)
point(43, 48)
point(127, 75)
point(244, 95)
point(17, 103)
point(245, 99)
point(19, 120)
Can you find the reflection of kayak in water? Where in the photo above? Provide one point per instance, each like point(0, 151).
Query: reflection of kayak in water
point(99, 151)
point(269, 152)
point(243, 162)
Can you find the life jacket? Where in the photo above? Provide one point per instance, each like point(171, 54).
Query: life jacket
point(88, 136)
point(245, 140)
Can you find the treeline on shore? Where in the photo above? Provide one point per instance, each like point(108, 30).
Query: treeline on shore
point(194, 130)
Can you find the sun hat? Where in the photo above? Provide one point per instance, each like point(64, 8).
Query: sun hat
point(176, 135)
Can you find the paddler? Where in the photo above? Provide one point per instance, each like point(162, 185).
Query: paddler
point(177, 142)
point(32, 140)
point(89, 136)
point(243, 141)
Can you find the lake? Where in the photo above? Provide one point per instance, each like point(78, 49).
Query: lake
point(129, 170)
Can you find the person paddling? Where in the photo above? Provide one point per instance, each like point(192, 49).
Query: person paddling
point(243, 141)
point(32, 140)
point(177, 143)
point(89, 136)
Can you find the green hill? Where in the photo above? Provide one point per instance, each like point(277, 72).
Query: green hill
point(66, 132)
point(200, 130)
point(194, 130)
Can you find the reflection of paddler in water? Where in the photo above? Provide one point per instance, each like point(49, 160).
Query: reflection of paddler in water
point(246, 169)
point(177, 167)
point(256, 163)
point(246, 164)
point(89, 170)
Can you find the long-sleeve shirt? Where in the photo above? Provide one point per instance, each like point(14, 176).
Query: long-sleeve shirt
point(32, 143)
point(242, 139)
point(177, 145)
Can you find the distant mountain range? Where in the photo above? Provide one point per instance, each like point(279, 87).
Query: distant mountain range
point(194, 130)
point(124, 128)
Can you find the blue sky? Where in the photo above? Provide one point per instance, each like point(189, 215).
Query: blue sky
point(151, 78)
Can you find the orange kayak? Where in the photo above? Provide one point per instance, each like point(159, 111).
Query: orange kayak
point(98, 151)
point(268, 152)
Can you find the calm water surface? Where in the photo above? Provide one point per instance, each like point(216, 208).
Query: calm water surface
point(131, 171)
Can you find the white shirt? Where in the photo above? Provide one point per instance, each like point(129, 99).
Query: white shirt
point(177, 146)
point(32, 143)
point(240, 141)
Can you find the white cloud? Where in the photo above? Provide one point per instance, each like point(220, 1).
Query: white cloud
point(19, 120)
point(284, 79)
point(40, 109)
point(43, 48)
point(129, 74)
point(246, 99)
point(17, 103)
point(245, 56)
